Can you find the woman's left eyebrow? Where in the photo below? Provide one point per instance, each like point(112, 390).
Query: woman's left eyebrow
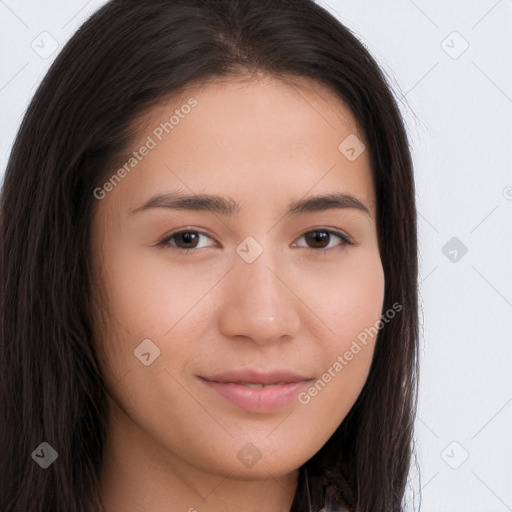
point(227, 206)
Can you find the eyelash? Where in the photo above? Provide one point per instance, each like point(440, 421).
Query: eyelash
point(165, 242)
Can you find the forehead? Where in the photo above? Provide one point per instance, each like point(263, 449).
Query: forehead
point(261, 136)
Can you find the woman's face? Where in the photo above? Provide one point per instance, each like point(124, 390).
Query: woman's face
point(258, 289)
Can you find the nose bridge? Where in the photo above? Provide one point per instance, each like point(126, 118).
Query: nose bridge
point(261, 285)
point(259, 305)
point(255, 260)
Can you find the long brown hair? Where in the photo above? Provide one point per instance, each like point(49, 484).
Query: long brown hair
point(124, 58)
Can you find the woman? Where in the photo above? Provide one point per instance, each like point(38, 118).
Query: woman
point(259, 370)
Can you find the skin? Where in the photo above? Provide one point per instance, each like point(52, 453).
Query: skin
point(172, 443)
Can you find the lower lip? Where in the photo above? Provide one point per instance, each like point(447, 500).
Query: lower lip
point(266, 399)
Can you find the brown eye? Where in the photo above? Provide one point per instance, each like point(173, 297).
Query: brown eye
point(321, 238)
point(318, 239)
point(186, 239)
point(183, 240)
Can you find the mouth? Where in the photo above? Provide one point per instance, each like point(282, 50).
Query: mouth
point(256, 391)
point(256, 385)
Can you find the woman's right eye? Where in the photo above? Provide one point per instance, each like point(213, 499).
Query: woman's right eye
point(186, 240)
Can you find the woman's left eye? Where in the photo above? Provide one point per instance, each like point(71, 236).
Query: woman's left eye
point(320, 238)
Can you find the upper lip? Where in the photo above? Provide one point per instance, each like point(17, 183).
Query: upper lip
point(257, 377)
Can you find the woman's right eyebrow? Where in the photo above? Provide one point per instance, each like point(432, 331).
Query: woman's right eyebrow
point(227, 206)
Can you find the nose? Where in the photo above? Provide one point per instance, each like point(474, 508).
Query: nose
point(259, 303)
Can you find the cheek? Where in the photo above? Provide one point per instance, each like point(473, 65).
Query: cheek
point(346, 296)
point(150, 290)
point(153, 298)
point(350, 305)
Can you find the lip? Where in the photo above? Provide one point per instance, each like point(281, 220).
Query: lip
point(257, 377)
point(266, 399)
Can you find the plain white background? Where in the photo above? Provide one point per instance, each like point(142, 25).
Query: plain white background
point(449, 64)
